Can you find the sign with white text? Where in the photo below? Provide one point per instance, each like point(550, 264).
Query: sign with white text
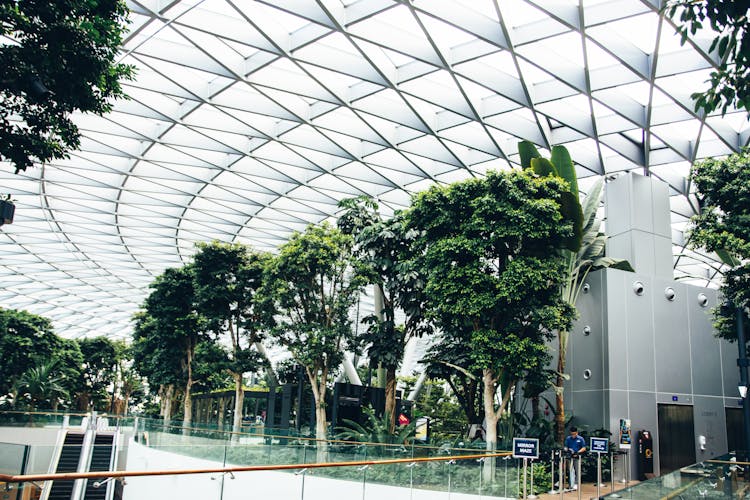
point(525, 448)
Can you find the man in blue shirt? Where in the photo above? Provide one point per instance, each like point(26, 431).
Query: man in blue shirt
point(576, 445)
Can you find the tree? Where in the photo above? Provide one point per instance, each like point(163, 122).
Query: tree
point(176, 329)
point(492, 264)
point(26, 340)
point(584, 256)
point(723, 226)
point(314, 285)
point(42, 386)
point(730, 82)
point(101, 357)
point(68, 360)
point(155, 358)
point(228, 279)
point(385, 250)
point(62, 59)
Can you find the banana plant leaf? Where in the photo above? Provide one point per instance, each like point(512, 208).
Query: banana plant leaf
point(564, 165)
point(527, 151)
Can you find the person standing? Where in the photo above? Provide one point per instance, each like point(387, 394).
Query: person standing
point(576, 445)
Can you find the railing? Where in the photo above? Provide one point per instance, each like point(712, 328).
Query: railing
point(209, 460)
point(721, 478)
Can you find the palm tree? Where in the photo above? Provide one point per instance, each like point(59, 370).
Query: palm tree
point(40, 385)
point(584, 255)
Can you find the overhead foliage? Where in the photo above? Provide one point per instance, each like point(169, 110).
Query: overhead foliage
point(729, 84)
point(59, 57)
point(723, 226)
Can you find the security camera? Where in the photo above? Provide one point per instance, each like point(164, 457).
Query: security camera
point(702, 299)
point(669, 293)
point(587, 330)
point(638, 288)
point(586, 288)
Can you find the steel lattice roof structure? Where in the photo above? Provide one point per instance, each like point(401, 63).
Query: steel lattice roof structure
point(251, 119)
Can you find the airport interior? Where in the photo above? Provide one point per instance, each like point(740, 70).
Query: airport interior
point(376, 249)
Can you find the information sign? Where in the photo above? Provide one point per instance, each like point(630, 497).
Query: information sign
point(626, 438)
point(599, 445)
point(525, 448)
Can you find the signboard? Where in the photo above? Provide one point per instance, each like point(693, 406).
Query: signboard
point(422, 431)
point(600, 445)
point(525, 448)
point(626, 438)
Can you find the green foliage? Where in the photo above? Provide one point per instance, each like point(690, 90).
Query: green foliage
point(730, 82)
point(583, 255)
point(228, 281)
point(447, 418)
point(723, 226)
point(41, 387)
point(384, 250)
point(26, 340)
point(376, 430)
point(70, 47)
point(448, 359)
point(492, 266)
point(314, 285)
point(101, 357)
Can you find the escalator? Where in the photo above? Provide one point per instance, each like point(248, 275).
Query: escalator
point(101, 459)
point(70, 456)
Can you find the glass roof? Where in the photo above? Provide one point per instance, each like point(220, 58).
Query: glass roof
point(249, 120)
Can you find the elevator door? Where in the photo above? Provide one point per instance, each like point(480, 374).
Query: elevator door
point(676, 437)
point(734, 429)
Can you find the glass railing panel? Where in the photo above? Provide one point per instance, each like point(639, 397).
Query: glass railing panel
point(720, 478)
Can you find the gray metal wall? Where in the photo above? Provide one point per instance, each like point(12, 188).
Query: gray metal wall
point(643, 350)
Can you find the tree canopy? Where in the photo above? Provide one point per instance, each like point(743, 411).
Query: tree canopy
point(62, 59)
point(492, 266)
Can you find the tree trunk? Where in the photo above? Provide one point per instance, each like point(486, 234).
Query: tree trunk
point(390, 397)
point(321, 424)
point(535, 413)
point(490, 417)
point(559, 392)
point(321, 427)
point(239, 399)
point(167, 403)
point(187, 408)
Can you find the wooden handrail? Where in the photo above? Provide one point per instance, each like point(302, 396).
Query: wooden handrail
point(114, 474)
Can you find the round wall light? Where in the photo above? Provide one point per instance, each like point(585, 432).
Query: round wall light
point(669, 293)
point(586, 374)
point(638, 288)
point(702, 299)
